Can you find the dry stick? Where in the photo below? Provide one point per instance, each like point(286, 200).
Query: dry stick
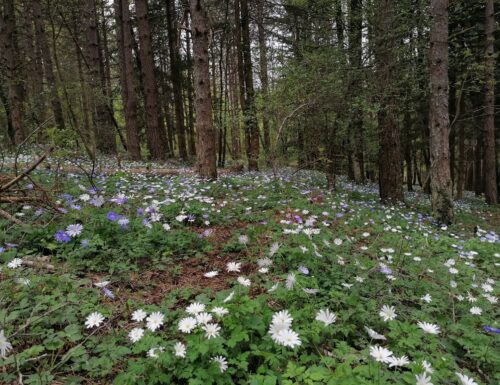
point(27, 171)
point(11, 199)
point(6, 215)
point(47, 266)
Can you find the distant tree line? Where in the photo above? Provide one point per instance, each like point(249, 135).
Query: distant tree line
point(399, 92)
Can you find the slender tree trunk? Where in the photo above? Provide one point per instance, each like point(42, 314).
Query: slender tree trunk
point(48, 68)
point(12, 58)
point(478, 166)
point(128, 77)
point(264, 78)
point(239, 53)
point(105, 59)
point(356, 51)
point(155, 135)
point(5, 102)
point(102, 121)
point(461, 157)
point(390, 172)
point(36, 76)
point(175, 63)
point(205, 134)
point(441, 198)
point(190, 91)
point(489, 163)
point(251, 124)
point(88, 130)
point(234, 112)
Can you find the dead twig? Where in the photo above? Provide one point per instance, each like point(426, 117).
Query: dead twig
point(28, 170)
point(9, 217)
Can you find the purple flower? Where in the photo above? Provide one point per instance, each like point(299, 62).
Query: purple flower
point(385, 270)
point(2, 249)
point(39, 212)
point(207, 233)
point(108, 293)
point(140, 211)
point(491, 329)
point(191, 217)
point(304, 270)
point(62, 237)
point(298, 219)
point(119, 200)
point(112, 216)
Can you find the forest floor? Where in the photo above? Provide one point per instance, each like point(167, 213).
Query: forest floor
point(251, 279)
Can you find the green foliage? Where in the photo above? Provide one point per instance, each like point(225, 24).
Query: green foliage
point(161, 268)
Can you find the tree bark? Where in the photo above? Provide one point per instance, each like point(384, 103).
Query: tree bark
point(461, 159)
point(175, 63)
point(234, 112)
point(128, 78)
point(489, 161)
point(478, 164)
point(102, 120)
point(356, 52)
point(155, 135)
point(190, 92)
point(36, 76)
point(264, 78)
point(205, 134)
point(439, 120)
point(250, 116)
point(48, 67)
point(390, 172)
point(15, 88)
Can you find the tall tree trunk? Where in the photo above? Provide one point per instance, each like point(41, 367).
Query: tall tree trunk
point(205, 134)
point(478, 166)
point(390, 172)
point(5, 102)
point(461, 156)
point(102, 120)
point(48, 68)
point(356, 52)
point(88, 131)
point(36, 77)
point(264, 78)
point(128, 77)
point(105, 58)
point(175, 63)
point(489, 163)
point(251, 124)
point(190, 91)
point(239, 53)
point(234, 112)
point(155, 133)
point(12, 58)
point(439, 120)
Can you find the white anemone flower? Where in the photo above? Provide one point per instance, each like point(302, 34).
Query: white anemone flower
point(326, 316)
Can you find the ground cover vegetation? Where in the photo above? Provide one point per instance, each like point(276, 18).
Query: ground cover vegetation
point(253, 192)
point(250, 279)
